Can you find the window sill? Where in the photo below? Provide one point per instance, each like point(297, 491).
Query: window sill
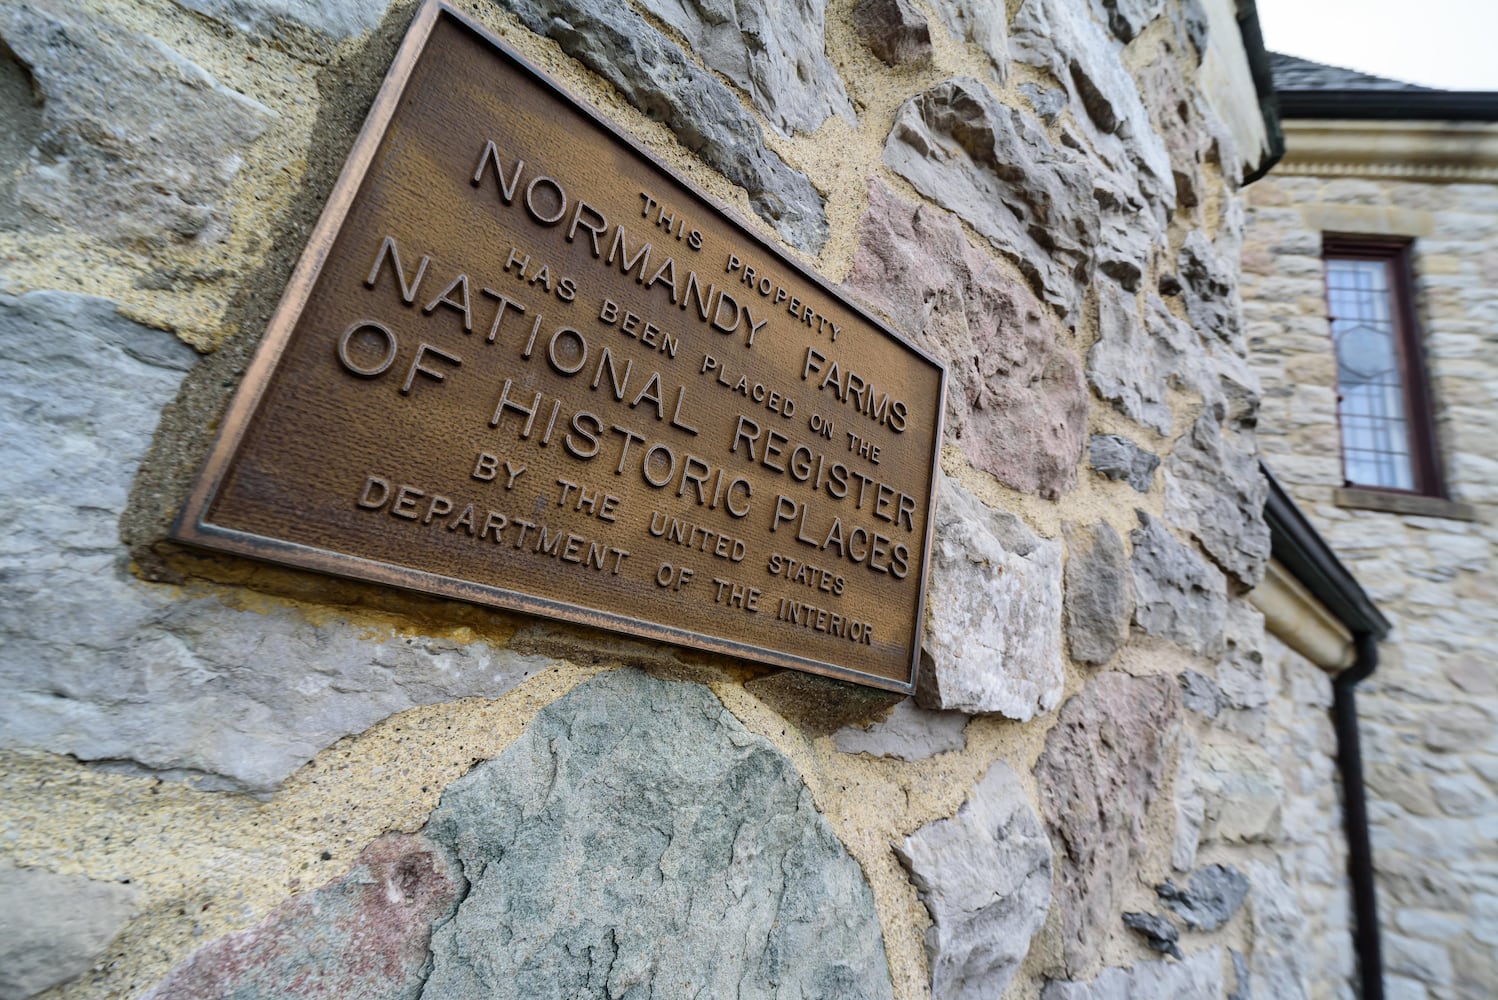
point(1402, 503)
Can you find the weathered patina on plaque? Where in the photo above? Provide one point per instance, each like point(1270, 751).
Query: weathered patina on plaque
point(521, 363)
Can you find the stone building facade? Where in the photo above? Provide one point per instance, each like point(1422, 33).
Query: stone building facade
point(227, 778)
point(1403, 166)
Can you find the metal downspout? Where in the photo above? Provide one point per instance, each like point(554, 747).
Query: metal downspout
point(1355, 815)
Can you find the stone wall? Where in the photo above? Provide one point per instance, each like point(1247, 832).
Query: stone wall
point(1427, 715)
point(220, 777)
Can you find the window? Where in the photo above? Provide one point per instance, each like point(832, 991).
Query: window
point(1382, 405)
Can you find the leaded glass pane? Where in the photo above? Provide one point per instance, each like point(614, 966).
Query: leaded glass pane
point(1375, 432)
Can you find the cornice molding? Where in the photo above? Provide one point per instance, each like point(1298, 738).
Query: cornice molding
point(1436, 151)
point(1295, 617)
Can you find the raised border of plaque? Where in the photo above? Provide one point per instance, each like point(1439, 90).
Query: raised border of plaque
point(521, 362)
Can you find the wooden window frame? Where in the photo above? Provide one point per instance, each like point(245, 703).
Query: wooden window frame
point(1424, 447)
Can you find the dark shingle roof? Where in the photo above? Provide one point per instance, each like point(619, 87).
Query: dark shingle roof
point(1293, 73)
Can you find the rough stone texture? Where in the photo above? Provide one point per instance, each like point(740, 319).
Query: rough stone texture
point(103, 667)
point(107, 160)
point(1060, 37)
point(1133, 363)
point(1189, 806)
point(53, 927)
point(1211, 291)
point(1119, 458)
point(1209, 900)
point(1244, 794)
point(1174, 110)
point(633, 831)
point(364, 936)
point(1242, 679)
point(772, 50)
point(1200, 694)
point(980, 22)
point(340, 20)
point(894, 30)
point(994, 166)
point(1159, 933)
point(1179, 597)
point(1213, 488)
point(655, 75)
point(993, 634)
point(1102, 768)
point(985, 876)
point(1199, 977)
point(1099, 593)
point(909, 732)
point(1016, 402)
point(1127, 18)
point(1279, 929)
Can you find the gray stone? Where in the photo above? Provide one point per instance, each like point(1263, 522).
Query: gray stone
point(637, 841)
point(363, 936)
point(1456, 729)
point(1176, 116)
point(1099, 593)
point(1119, 458)
point(982, 23)
point(985, 876)
point(909, 732)
point(1060, 37)
point(1242, 677)
point(1048, 102)
point(772, 50)
point(1241, 975)
point(1209, 900)
point(1129, 234)
point(1127, 18)
point(1133, 363)
point(993, 634)
point(1279, 930)
point(1158, 933)
point(1210, 289)
point(894, 30)
point(106, 668)
point(53, 927)
point(1215, 489)
point(338, 21)
point(995, 167)
point(1190, 806)
point(109, 158)
point(1016, 402)
point(1102, 768)
point(655, 75)
point(1179, 597)
point(1198, 977)
point(1200, 694)
point(1243, 792)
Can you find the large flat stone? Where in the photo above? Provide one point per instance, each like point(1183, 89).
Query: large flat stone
point(363, 936)
point(1214, 488)
point(1102, 768)
point(1278, 962)
point(1016, 403)
point(985, 877)
point(1099, 593)
point(340, 20)
point(638, 842)
point(137, 143)
point(772, 50)
point(1179, 596)
point(1243, 792)
point(993, 633)
point(104, 667)
point(53, 927)
point(655, 75)
point(994, 166)
point(1135, 360)
point(1199, 977)
point(909, 732)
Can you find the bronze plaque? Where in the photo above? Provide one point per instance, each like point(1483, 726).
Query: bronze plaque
point(521, 363)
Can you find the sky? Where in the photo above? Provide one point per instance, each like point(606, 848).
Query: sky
point(1451, 44)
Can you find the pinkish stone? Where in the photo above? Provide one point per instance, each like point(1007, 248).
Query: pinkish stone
point(1103, 766)
point(364, 935)
point(1017, 403)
